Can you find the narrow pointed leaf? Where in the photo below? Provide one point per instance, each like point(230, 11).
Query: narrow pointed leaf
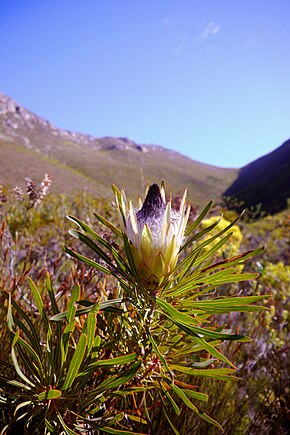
point(112, 431)
point(49, 395)
point(76, 361)
point(170, 398)
point(67, 430)
point(174, 314)
point(39, 304)
point(212, 351)
point(15, 362)
point(159, 354)
point(222, 374)
point(109, 225)
point(199, 219)
point(88, 261)
point(120, 360)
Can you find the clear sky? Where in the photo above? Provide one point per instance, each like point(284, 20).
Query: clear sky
point(208, 78)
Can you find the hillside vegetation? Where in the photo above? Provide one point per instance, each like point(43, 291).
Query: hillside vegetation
point(31, 242)
point(77, 162)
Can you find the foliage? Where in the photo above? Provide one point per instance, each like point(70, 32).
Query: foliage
point(170, 363)
point(232, 248)
point(65, 380)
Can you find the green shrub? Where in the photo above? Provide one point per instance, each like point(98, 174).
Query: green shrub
point(157, 352)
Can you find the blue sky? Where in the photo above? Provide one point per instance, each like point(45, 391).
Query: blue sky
point(208, 78)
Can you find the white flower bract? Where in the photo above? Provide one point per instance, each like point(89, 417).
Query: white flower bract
point(155, 231)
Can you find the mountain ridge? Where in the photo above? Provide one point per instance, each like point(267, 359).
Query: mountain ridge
point(31, 145)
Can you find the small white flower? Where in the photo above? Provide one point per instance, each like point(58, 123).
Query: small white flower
point(156, 233)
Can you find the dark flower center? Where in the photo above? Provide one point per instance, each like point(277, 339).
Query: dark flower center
point(153, 207)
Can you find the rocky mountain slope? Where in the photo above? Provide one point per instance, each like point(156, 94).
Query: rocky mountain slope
point(264, 183)
point(31, 146)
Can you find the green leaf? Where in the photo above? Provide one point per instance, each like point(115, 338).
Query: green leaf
point(96, 345)
point(10, 321)
point(222, 374)
point(87, 261)
point(169, 420)
point(15, 362)
point(159, 354)
point(67, 430)
point(31, 351)
point(94, 247)
point(112, 431)
point(212, 351)
point(186, 262)
point(182, 395)
point(50, 427)
point(196, 395)
point(210, 420)
point(76, 361)
point(49, 395)
point(123, 267)
point(71, 306)
point(131, 261)
point(70, 317)
point(51, 294)
point(90, 329)
point(111, 302)
point(130, 390)
point(190, 405)
point(92, 307)
point(133, 417)
point(208, 333)
point(117, 380)
point(171, 400)
point(32, 336)
point(199, 279)
point(40, 306)
point(58, 362)
point(174, 314)
point(201, 233)
point(214, 249)
point(120, 360)
point(22, 405)
point(199, 219)
point(79, 312)
point(227, 305)
point(185, 322)
point(203, 364)
point(109, 225)
point(232, 261)
point(7, 382)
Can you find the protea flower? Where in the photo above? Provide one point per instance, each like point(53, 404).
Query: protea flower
point(156, 232)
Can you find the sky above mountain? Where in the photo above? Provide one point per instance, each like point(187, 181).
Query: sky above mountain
point(204, 77)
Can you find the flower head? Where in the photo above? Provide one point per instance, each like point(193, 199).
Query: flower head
point(155, 231)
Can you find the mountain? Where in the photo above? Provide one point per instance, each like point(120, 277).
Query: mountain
point(31, 146)
point(263, 184)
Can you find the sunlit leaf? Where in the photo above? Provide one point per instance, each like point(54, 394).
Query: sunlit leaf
point(16, 364)
point(76, 361)
point(222, 374)
point(49, 395)
point(125, 359)
point(159, 354)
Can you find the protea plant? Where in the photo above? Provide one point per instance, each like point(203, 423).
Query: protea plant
point(134, 357)
point(167, 288)
point(156, 233)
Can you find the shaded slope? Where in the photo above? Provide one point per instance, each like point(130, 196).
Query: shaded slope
point(265, 181)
